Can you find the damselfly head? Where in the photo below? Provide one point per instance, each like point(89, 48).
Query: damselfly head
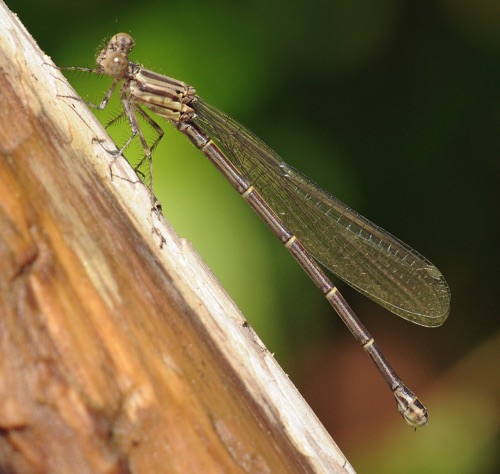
point(113, 59)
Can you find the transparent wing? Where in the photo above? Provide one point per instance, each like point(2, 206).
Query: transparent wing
point(359, 252)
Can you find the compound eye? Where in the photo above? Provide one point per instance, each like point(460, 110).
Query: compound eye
point(114, 64)
point(122, 42)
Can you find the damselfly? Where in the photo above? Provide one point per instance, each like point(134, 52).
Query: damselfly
point(311, 223)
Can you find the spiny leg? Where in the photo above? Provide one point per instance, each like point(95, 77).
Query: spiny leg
point(148, 156)
point(131, 110)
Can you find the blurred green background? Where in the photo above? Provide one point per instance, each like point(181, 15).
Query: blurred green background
point(394, 107)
